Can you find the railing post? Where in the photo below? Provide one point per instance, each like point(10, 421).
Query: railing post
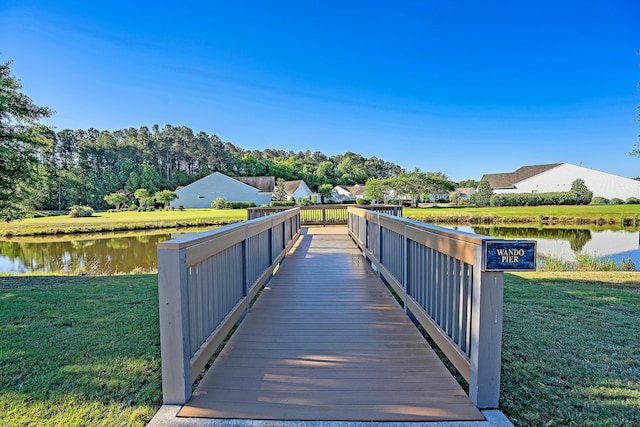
point(174, 326)
point(245, 280)
point(486, 334)
point(324, 216)
point(405, 268)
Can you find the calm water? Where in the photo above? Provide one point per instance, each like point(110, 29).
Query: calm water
point(98, 253)
point(566, 243)
point(128, 252)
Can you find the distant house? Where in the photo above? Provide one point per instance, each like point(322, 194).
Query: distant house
point(201, 193)
point(297, 189)
point(559, 177)
point(465, 192)
point(348, 194)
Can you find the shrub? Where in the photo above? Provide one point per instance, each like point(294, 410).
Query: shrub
point(282, 203)
point(393, 202)
point(218, 203)
point(78, 211)
point(633, 201)
point(616, 201)
point(534, 199)
point(363, 201)
point(238, 205)
point(599, 200)
point(181, 207)
point(133, 207)
point(304, 202)
point(582, 191)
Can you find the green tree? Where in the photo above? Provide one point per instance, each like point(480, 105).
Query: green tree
point(21, 136)
point(325, 191)
point(150, 178)
point(165, 197)
point(468, 183)
point(117, 199)
point(482, 197)
point(376, 189)
point(582, 191)
point(143, 197)
point(279, 194)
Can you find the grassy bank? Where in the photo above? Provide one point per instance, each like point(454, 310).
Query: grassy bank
point(626, 215)
point(571, 353)
point(80, 351)
point(120, 221)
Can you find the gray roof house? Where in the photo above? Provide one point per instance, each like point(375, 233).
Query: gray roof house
point(202, 192)
point(343, 193)
point(558, 177)
point(297, 189)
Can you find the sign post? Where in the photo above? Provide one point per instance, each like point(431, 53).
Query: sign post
point(509, 255)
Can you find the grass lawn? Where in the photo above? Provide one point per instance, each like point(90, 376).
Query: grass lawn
point(118, 221)
point(84, 351)
point(571, 352)
point(599, 214)
point(79, 351)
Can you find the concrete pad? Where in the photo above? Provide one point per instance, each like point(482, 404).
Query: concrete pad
point(167, 417)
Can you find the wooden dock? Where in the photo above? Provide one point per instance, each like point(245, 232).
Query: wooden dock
point(326, 341)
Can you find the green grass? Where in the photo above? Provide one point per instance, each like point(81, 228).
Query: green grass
point(628, 215)
point(79, 351)
point(120, 221)
point(571, 349)
point(84, 351)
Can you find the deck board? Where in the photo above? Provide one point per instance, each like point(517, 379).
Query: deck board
point(326, 341)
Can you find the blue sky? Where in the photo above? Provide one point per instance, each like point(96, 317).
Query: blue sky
point(461, 87)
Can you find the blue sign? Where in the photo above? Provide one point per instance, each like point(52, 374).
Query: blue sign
point(510, 255)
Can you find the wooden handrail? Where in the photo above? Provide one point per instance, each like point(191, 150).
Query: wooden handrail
point(205, 284)
point(439, 275)
point(323, 214)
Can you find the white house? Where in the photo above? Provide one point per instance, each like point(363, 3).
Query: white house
point(201, 193)
point(559, 177)
point(465, 192)
point(297, 189)
point(341, 193)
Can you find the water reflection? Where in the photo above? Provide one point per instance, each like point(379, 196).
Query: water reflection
point(127, 252)
point(90, 254)
point(565, 243)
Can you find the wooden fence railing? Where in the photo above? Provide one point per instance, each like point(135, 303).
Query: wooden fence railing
point(206, 283)
point(438, 273)
point(323, 214)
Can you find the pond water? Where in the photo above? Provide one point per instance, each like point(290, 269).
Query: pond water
point(127, 252)
point(565, 243)
point(95, 253)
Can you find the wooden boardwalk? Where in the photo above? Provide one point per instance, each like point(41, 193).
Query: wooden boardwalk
point(326, 341)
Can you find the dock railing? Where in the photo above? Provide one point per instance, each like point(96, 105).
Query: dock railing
point(323, 214)
point(206, 283)
point(438, 273)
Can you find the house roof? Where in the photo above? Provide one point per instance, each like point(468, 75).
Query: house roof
point(263, 183)
point(465, 190)
point(510, 179)
point(290, 187)
point(356, 190)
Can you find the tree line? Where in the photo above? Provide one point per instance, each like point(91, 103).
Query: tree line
point(44, 169)
point(81, 167)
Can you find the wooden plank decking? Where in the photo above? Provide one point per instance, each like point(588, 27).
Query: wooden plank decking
point(327, 342)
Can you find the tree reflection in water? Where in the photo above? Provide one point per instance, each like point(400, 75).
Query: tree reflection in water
point(577, 238)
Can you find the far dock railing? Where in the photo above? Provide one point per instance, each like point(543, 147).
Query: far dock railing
point(439, 275)
point(205, 285)
point(324, 214)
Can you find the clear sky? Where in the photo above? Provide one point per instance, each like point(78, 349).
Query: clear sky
point(461, 87)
